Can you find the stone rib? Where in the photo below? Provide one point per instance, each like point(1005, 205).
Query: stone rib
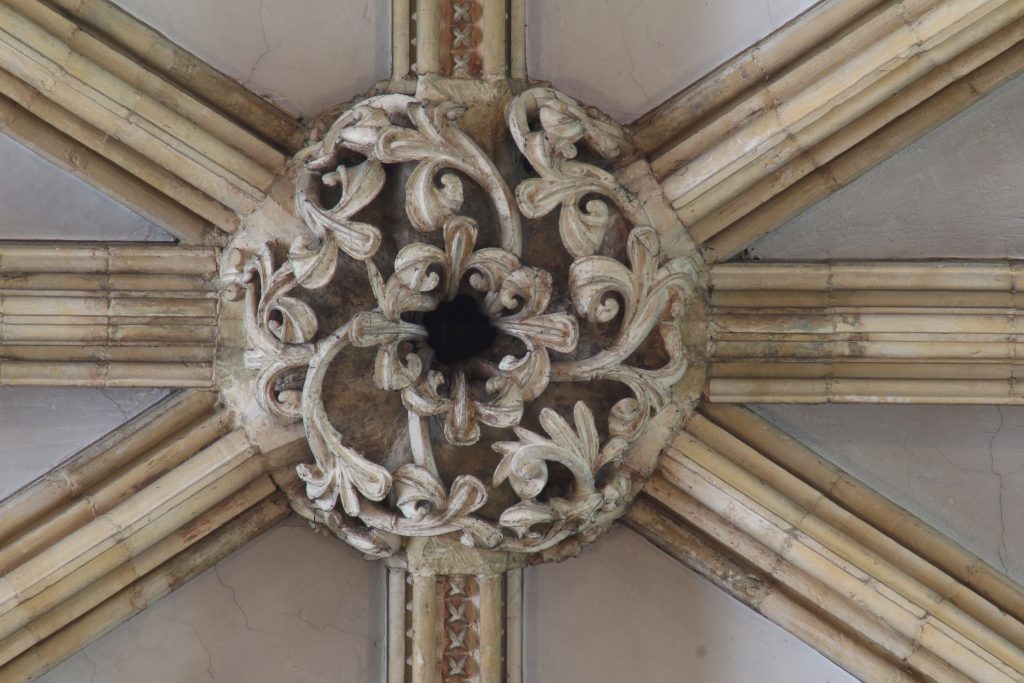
point(124, 522)
point(758, 140)
point(76, 314)
point(207, 151)
point(904, 332)
point(844, 569)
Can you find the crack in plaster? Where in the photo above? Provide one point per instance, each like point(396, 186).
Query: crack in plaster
point(262, 91)
point(337, 629)
point(234, 599)
point(771, 19)
point(199, 639)
point(1001, 548)
point(92, 663)
point(629, 56)
point(266, 44)
point(117, 406)
point(327, 627)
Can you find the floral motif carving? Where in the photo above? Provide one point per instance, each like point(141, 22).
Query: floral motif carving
point(461, 622)
point(640, 296)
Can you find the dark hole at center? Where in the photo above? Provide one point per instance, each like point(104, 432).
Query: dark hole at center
point(457, 330)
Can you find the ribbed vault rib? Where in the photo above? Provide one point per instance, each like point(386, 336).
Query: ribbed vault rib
point(819, 103)
point(84, 314)
point(904, 332)
point(110, 100)
point(161, 56)
point(817, 552)
point(126, 521)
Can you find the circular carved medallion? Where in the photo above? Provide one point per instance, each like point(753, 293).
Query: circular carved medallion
point(490, 329)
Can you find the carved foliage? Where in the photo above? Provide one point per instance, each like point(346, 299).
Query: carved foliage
point(646, 293)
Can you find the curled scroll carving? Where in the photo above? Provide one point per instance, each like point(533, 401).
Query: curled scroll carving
point(635, 295)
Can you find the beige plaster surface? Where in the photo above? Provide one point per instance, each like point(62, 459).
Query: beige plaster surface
point(625, 611)
point(290, 606)
point(628, 57)
point(304, 56)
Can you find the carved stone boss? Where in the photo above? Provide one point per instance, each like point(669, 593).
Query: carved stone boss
point(538, 441)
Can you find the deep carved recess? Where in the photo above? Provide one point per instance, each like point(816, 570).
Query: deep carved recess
point(535, 442)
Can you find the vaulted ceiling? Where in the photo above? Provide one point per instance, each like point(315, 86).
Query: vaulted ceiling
point(885, 536)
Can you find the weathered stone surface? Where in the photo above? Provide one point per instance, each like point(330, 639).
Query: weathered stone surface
point(598, 315)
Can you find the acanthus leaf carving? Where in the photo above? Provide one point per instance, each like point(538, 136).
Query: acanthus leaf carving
point(544, 315)
point(563, 181)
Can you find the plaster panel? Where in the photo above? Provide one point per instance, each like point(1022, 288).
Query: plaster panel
point(304, 56)
point(954, 193)
point(958, 468)
point(625, 611)
point(42, 427)
point(289, 606)
point(43, 202)
point(628, 57)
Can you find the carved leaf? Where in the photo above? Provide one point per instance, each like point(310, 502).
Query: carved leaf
point(414, 263)
point(551, 150)
point(430, 204)
point(438, 143)
point(641, 294)
point(371, 329)
point(314, 266)
point(349, 470)
point(593, 280)
point(297, 323)
point(556, 331)
point(358, 240)
point(576, 449)
point(283, 403)
point(360, 185)
point(467, 496)
point(459, 238)
point(520, 518)
point(505, 409)
point(419, 493)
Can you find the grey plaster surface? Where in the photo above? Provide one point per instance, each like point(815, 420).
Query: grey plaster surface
point(957, 192)
point(958, 468)
point(41, 427)
point(290, 606)
point(625, 611)
point(305, 56)
point(40, 201)
point(628, 57)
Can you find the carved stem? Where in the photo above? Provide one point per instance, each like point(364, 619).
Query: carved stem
point(419, 441)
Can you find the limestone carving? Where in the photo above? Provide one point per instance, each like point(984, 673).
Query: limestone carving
point(613, 297)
